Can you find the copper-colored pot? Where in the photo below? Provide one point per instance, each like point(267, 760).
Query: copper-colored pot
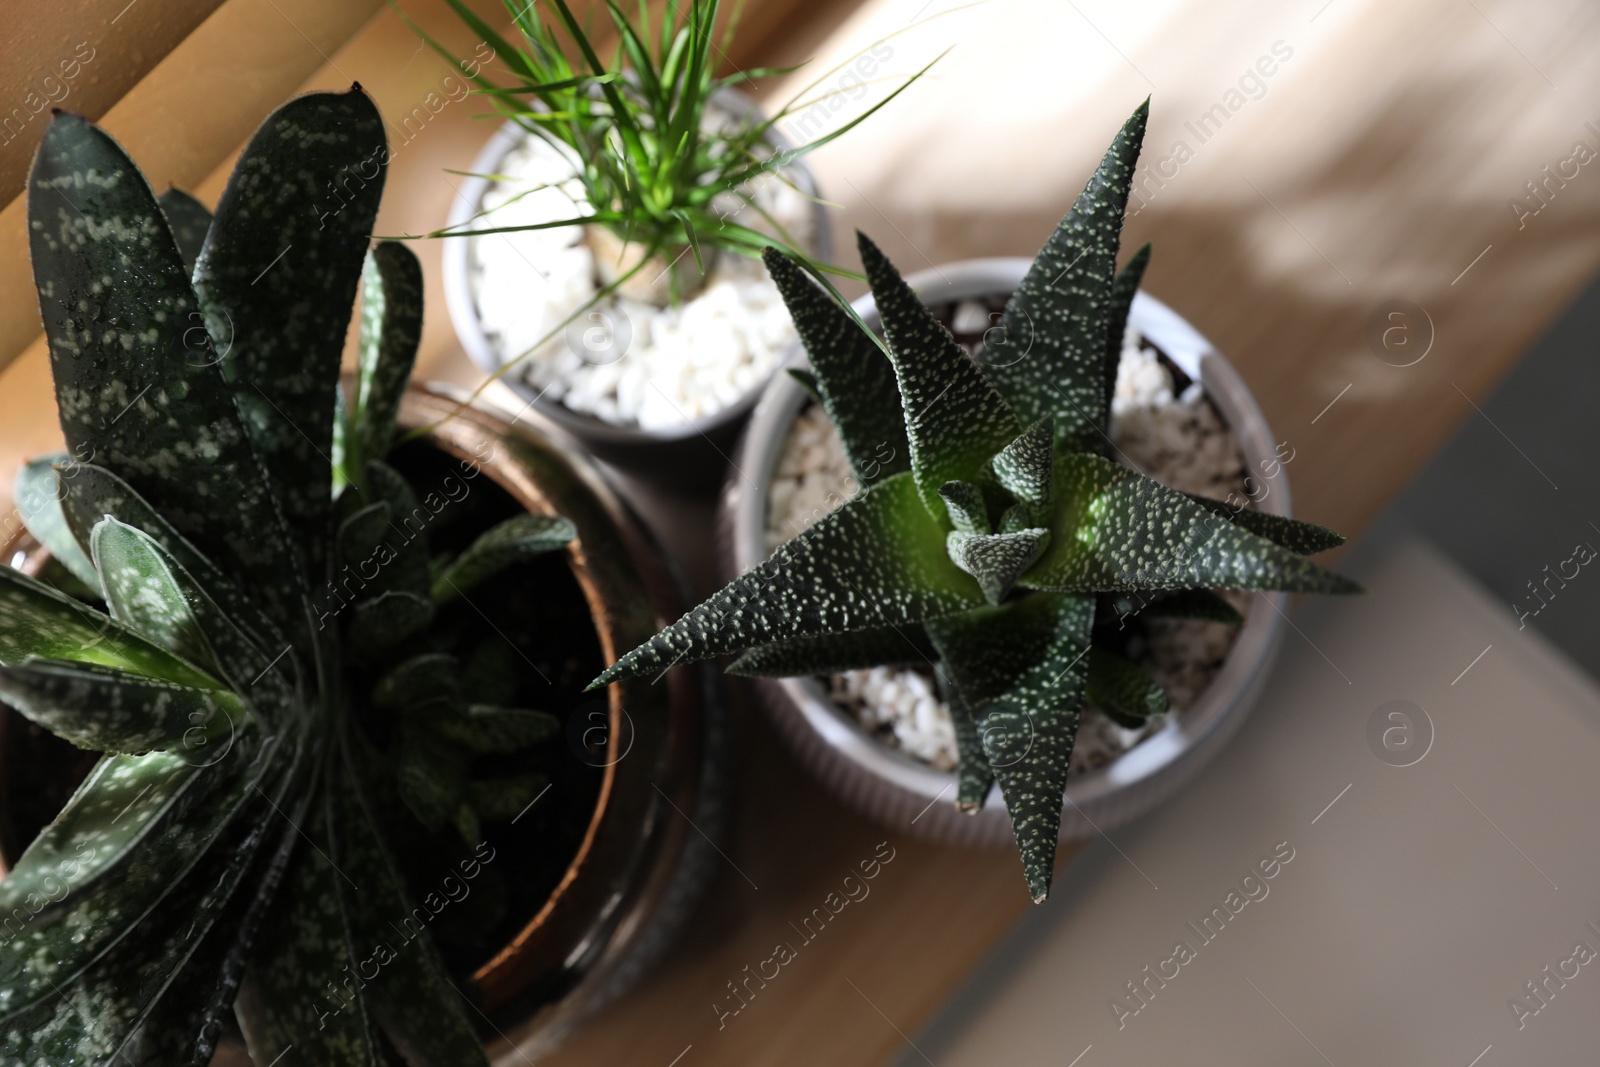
point(641, 862)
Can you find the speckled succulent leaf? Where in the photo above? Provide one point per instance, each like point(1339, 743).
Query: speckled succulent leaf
point(411, 997)
point(1123, 288)
point(142, 592)
point(831, 654)
point(428, 680)
point(854, 381)
point(391, 328)
point(1303, 538)
point(89, 493)
point(807, 381)
point(97, 1015)
point(409, 521)
point(996, 560)
point(182, 1028)
point(877, 561)
point(519, 538)
point(189, 221)
point(1055, 323)
point(383, 621)
point(144, 397)
point(430, 778)
point(106, 709)
point(491, 673)
point(1025, 466)
point(121, 801)
point(115, 996)
point(1125, 693)
point(1201, 604)
point(298, 996)
point(1114, 529)
point(38, 622)
point(965, 504)
point(1020, 668)
point(89, 923)
point(503, 799)
point(39, 503)
point(955, 419)
point(483, 728)
point(277, 280)
point(974, 776)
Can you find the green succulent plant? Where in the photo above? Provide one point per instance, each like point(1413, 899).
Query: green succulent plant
point(256, 643)
point(999, 532)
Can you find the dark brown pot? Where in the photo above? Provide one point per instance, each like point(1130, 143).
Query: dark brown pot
point(640, 863)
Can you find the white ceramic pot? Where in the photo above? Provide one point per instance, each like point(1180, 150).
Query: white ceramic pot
point(693, 453)
point(906, 794)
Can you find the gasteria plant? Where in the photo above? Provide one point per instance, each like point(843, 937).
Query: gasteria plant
point(656, 171)
point(1000, 532)
point(254, 733)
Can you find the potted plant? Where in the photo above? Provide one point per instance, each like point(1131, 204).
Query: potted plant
point(996, 542)
point(607, 264)
point(333, 796)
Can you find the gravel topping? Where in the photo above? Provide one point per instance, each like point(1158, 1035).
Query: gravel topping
point(626, 362)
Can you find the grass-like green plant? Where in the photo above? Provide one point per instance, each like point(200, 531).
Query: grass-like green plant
point(261, 642)
point(655, 172)
point(1000, 532)
point(653, 169)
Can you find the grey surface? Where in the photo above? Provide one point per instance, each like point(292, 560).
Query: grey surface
point(1420, 898)
point(1485, 502)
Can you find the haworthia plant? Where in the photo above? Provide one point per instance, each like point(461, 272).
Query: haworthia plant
point(230, 851)
point(999, 544)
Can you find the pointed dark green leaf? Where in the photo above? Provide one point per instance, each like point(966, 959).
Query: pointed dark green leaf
point(1303, 538)
point(1025, 466)
point(1114, 529)
point(109, 816)
point(996, 560)
point(431, 679)
point(852, 378)
point(1020, 668)
point(90, 493)
point(106, 709)
point(503, 799)
point(138, 386)
point(1123, 288)
point(965, 504)
point(298, 992)
point(1126, 694)
point(142, 592)
point(38, 500)
point(277, 281)
point(807, 381)
point(955, 419)
point(182, 1029)
point(387, 619)
point(1055, 323)
point(974, 776)
point(408, 531)
point(518, 538)
point(485, 729)
point(61, 943)
point(857, 650)
point(877, 561)
point(189, 220)
point(412, 996)
point(1201, 604)
point(391, 328)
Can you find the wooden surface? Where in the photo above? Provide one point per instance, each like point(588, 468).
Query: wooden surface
point(1377, 164)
